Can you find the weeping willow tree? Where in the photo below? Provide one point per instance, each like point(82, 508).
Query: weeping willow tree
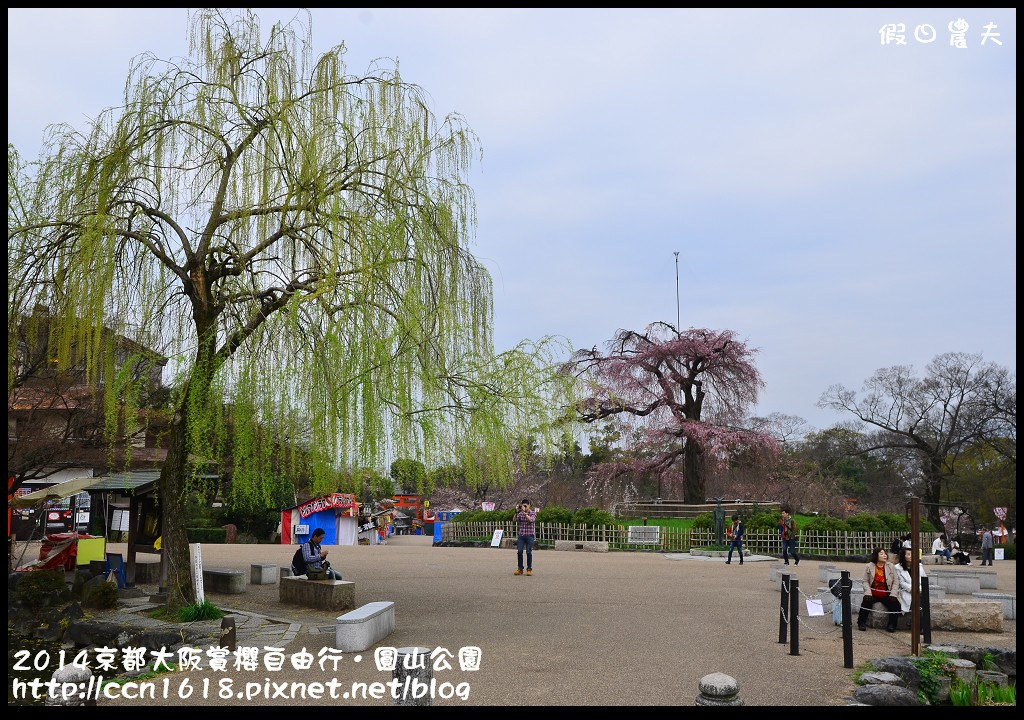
point(296, 239)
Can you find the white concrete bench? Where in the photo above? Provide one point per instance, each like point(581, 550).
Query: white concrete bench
point(262, 574)
point(365, 626)
point(224, 580)
point(955, 583)
point(988, 579)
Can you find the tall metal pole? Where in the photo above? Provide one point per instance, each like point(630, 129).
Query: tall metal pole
point(676, 253)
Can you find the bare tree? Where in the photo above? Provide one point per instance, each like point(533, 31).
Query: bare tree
point(935, 417)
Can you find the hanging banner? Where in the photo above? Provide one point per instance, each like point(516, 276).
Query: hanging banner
point(1000, 513)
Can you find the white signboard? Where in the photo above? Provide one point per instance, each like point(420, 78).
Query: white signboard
point(496, 539)
point(814, 607)
point(1000, 553)
point(644, 535)
point(200, 597)
point(488, 506)
point(119, 523)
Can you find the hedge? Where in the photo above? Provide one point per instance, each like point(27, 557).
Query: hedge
point(205, 535)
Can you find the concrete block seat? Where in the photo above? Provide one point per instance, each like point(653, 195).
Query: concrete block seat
point(584, 545)
point(318, 594)
point(224, 580)
point(1009, 602)
point(263, 573)
point(365, 626)
point(987, 579)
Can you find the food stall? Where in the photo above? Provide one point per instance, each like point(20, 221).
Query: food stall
point(337, 514)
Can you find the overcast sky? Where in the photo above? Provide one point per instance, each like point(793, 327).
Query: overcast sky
point(842, 204)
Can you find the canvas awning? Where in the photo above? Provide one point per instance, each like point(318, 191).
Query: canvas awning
point(55, 492)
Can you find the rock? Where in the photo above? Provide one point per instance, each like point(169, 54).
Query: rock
point(881, 678)
point(887, 695)
point(992, 678)
point(901, 667)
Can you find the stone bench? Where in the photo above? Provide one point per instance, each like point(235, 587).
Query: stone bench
point(583, 545)
point(933, 560)
point(262, 574)
point(318, 594)
point(967, 615)
point(987, 578)
point(1009, 602)
point(827, 572)
point(224, 580)
point(364, 627)
point(284, 571)
point(955, 583)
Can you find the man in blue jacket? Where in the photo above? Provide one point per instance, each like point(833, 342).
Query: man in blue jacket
point(737, 538)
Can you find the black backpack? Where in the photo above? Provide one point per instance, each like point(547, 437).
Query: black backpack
point(895, 548)
point(298, 563)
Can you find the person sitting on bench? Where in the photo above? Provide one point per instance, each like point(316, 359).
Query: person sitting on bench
point(309, 556)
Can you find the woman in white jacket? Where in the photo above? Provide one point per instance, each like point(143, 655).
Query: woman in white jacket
point(904, 579)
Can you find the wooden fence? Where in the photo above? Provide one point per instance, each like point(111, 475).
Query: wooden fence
point(834, 543)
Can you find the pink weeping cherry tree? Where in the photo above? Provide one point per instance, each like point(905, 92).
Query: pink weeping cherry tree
point(687, 391)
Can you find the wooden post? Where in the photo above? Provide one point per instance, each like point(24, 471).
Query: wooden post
point(134, 518)
point(915, 578)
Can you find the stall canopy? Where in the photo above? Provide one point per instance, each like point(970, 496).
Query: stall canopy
point(56, 492)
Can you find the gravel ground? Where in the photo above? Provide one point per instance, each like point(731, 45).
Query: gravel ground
point(585, 629)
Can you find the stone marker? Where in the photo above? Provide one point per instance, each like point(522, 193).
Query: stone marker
point(414, 672)
point(79, 676)
point(718, 689)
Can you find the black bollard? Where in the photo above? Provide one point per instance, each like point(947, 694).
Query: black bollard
point(794, 617)
point(846, 586)
point(926, 612)
point(783, 608)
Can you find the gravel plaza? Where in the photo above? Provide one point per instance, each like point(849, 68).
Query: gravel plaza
point(615, 628)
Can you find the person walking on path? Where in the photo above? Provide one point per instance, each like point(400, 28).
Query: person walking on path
point(882, 587)
point(526, 517)
point(737, 538)
point(787, 530)
point(986, 547)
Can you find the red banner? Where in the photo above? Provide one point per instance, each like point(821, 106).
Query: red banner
point(334, 500)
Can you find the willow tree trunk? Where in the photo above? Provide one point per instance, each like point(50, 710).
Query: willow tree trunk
point(178, 467)
point(180, 589)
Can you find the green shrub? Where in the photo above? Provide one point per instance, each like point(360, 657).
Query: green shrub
point(926, 526)
point(1010, 551)
point(825, 523)
point(763, 521)
point(704, 521)
point(485, 516)
point(102, 595)
point(200, 611)
point(33, 586)
point(205, 535)
point(555, 514)
point(865, 522)
point(592, 516)
point(894, 522)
